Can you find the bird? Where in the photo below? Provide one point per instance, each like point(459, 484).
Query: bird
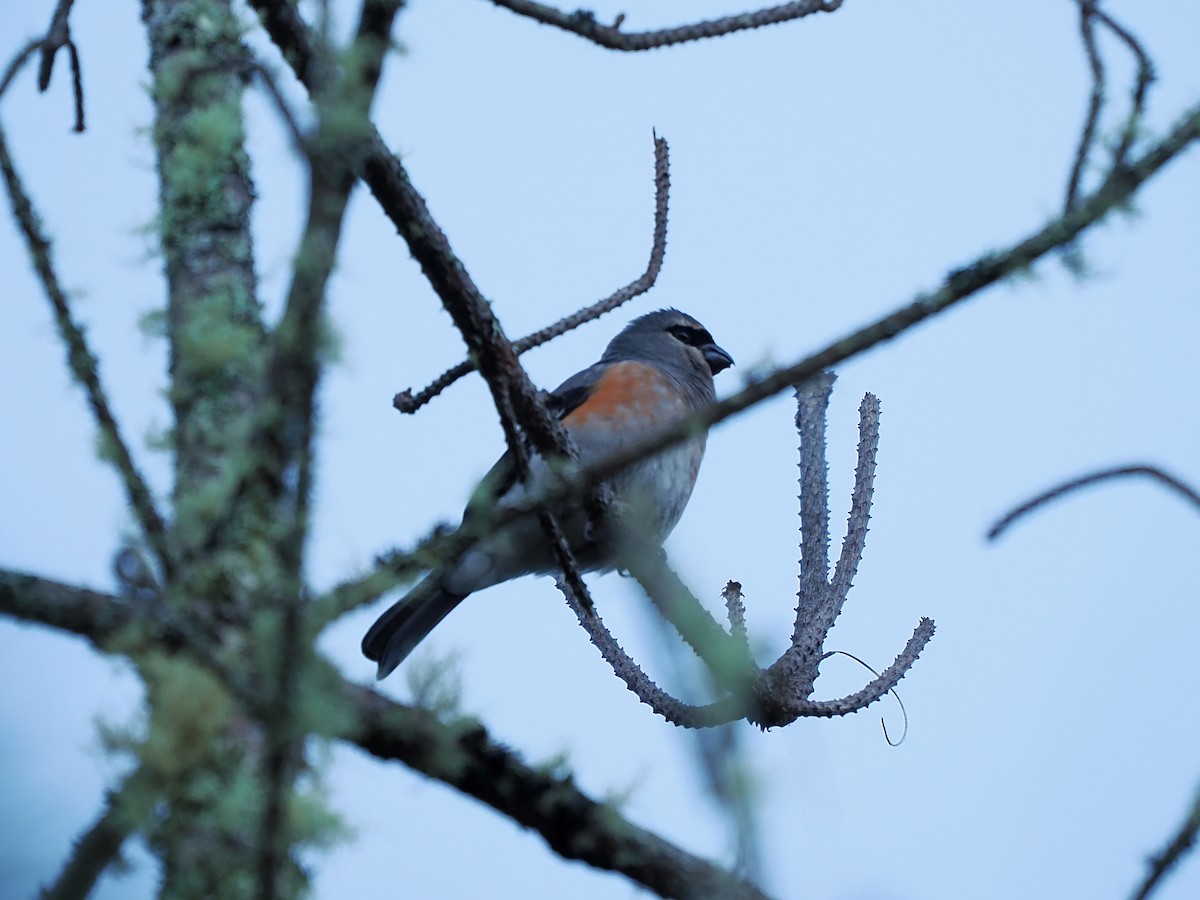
point(658, 369)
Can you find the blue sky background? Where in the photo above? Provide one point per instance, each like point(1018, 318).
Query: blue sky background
point(823, 172)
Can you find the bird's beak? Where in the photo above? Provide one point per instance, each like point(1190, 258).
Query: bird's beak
point(717, 359)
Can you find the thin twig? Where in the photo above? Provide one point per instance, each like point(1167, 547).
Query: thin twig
point(1141, 87)
point(1181, 843)
point(58, 35)
point(1087, 29)
point(76, 86)
point(583, 23)
point(408, 402)
point(21, 57)
point(125, 808)
point(639, 683)
point(1090, 15)
point(1182, 488)
point(83, 365)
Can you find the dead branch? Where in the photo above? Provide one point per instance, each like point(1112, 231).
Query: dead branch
point(1090, 15)
point(1180, 844)
point(408, 402)
point(583, 23)
point(1164, 478)
point(781, 693)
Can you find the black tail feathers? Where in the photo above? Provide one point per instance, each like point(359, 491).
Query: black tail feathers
point(406, 623)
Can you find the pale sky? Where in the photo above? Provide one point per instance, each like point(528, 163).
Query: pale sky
point(823, 173)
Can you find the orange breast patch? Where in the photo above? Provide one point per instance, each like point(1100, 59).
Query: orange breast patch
point(629, 390)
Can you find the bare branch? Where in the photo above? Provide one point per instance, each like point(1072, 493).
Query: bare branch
point(1180, 845)
point(780, 694)
point(812, 404)
point(408, 402)
point(96, 615)
point(1090, 15)
point(726, 657)
point(673, 710)
point(57, 36)
point(1141, 86)
point(286, 423)
point(1180, 487)
point(584, 24)
point(574, 826)
point(472, 314)
point(83, 365)
point(1087, 29)
point(458, 754)
point(735, 608)
point(887, 681)
point(18, 61)
point(125, 808)
point(372, 39)
point(860, 503)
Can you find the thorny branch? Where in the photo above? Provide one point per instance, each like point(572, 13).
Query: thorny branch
point(781, 693)
point(408, 402)
point(1180, 487)
point(583, 23)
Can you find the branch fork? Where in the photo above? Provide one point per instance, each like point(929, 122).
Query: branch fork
point(782, 692)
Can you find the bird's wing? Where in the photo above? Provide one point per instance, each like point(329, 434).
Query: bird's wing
point(561, 401)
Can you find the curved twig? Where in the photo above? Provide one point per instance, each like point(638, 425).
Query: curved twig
point(408, 402)
point(1090, 15)
point(1180, 487)
point(583, 23)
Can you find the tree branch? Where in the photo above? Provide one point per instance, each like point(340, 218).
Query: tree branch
point(574, 826)
point(1180, 487)
point(408, 402)
point(285, 427)
point(125, 808)
point(583, 23)
point(461, 755)
point(1181, 843)
point(83, 365)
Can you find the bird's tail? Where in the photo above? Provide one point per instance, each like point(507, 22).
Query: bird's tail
point(406, 623)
